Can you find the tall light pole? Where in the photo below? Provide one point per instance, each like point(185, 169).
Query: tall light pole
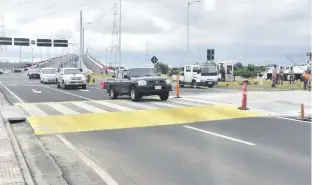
point(20, 54)
point(119, 33)
point(188, 28)
point(80, 48)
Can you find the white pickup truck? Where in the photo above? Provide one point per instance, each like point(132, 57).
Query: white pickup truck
point(67, 77)
point(196, 75)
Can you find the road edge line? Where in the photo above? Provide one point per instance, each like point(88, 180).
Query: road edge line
point(97, 169)
point(11, 92)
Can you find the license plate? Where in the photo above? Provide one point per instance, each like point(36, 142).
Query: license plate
point(157, 87)
point(209, 82)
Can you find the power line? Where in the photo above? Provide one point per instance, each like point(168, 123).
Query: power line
point(18, 5)
point(63, 10)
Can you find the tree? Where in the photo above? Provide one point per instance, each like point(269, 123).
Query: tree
point(238, 65)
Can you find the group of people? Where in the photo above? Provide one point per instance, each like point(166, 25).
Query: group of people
point(278, 77)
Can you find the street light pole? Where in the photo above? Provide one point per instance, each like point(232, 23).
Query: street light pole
point(83, 40)
point(188, 28)
point(119, 33)
point(80, 48)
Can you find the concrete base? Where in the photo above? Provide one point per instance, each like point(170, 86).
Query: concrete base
point(241, 108)
point(12, 113)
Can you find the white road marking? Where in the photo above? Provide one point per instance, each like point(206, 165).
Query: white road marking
point(103, 174)
point(186, 103)
point(18, 98)
point(141, 105)
point(67, 93)
point(86, 90)
point(115, 106)
point(200, 101)
point(299, 121)
point(165, 104)
point(38, 92)
point(89, 107)
point(61, 108)
point(222, 136)
point(33, 110)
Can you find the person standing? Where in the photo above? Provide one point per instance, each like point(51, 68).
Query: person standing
point(222, 71)
point(281, 75)
point(291, 75)
point(274, 75)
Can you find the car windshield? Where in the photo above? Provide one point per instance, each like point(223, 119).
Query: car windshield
point(49, 71)
point(72, 71)
point(138, 72)
point(34, 71)
point(209, 71)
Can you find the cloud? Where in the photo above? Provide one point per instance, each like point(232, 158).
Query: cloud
point(248, 31)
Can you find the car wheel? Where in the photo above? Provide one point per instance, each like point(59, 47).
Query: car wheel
point(63, 85)
point(210, 86)
point(57, 84)
point(112, 93)
point(135, 96)
point(164, 96)
point(29, 77)
point(84, 86)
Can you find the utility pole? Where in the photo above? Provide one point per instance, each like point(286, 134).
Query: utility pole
point(115, 59)
point(187, 32)
point(20, 54)
point(80, 48)
point(146, 54)
point(119, 33)
point(32, 55)
point(106, 62)
point(83, 40)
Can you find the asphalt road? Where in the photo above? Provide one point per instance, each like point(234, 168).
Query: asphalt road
point(137, 144)
point(28, 90)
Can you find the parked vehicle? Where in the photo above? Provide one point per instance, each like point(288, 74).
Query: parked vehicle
point(33, 73)
point(48, 75)
point(139, 82)
point(70, 77)
point(196, 75)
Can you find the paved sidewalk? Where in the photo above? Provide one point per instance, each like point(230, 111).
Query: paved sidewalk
point(10, 173)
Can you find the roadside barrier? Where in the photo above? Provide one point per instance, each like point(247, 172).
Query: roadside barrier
point(178, 87)
point(102, 84)
point(244, 97)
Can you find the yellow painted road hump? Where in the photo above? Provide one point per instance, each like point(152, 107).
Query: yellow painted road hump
point(132, 119)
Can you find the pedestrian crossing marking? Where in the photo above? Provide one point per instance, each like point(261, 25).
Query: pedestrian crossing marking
point(100, 106)
point(132, 119)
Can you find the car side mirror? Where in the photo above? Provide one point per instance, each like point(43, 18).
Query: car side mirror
point(113, 76)
point(80, 70)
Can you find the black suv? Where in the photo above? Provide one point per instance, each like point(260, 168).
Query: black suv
point(139, 82)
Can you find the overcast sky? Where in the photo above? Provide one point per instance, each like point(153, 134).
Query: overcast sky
point(247, 31)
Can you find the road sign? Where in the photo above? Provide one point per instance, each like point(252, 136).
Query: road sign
point(21, 42)
point(60, 43)
point(154, 60)
point(210, 54)
point(44, 42)
point(33, 42)
point(5, 41)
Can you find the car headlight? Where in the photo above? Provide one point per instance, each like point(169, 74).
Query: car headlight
point(168, 81)
point(141, 82)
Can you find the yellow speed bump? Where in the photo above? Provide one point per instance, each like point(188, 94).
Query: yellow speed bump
point(132, 119)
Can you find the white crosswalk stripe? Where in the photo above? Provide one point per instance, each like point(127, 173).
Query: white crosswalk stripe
point(89, 107)
point(33, 110)
point(83, 107)
point(115, 106)
point(61, 108)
